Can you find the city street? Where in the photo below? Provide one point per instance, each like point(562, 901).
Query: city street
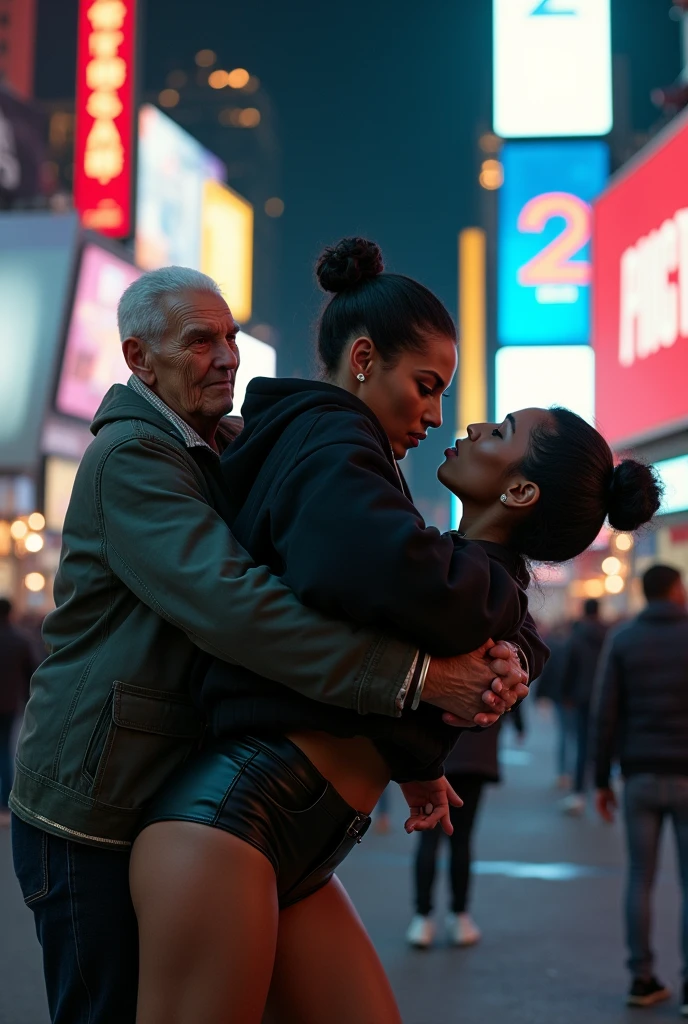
point(547, 897)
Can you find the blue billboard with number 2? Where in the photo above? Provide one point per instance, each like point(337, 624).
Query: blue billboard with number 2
point(543, 258)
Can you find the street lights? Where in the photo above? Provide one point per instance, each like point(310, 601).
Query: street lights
point(21, 539)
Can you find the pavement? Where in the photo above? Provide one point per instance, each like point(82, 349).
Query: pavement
point(547, 896)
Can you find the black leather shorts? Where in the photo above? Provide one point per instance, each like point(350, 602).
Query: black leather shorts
point(266, 791)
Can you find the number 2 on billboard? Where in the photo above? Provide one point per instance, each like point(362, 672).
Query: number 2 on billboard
point(553, 264)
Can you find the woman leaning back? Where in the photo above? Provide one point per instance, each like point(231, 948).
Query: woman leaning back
point(241, 918)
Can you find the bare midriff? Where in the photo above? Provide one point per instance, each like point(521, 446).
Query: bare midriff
point(353, 765)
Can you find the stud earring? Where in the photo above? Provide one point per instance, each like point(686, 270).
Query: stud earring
point(361, 377)
point(503, 497)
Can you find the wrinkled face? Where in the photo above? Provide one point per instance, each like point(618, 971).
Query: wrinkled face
point(407, 397)
point(478, 468)
point(195, 365)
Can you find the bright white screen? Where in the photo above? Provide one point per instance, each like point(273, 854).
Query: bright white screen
point(544, 375)
point(552, 68)
point(257, 360)
point(674, 475)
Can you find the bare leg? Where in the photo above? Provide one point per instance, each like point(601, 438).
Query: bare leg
point(326, 968)
point(207, 909)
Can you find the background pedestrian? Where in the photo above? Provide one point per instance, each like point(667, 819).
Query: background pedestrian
point(17, 664)
point(578, 676)
point(472, 763)
point(641, 717)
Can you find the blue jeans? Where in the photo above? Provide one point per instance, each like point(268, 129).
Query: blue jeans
point(582, 714)
point(648, 800)
point(85, 923)
point(566, 739)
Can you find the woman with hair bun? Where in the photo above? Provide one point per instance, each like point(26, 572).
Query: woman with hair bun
point(240, 915)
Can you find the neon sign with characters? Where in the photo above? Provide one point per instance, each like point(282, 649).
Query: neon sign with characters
point(544, 241)
point(105, 115)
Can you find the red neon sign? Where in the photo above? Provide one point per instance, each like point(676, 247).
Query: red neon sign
point(105, 115)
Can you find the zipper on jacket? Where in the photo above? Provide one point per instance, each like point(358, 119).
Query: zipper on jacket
point(71, 831)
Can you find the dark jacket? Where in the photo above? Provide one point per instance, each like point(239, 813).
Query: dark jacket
point(315, 494)
point(582, 655)
point(149, 578)
point(551, 681)
point(641, 706)
point(17, 665)
point(476, 753)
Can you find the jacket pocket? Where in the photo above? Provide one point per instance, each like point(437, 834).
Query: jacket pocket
point(140, 737)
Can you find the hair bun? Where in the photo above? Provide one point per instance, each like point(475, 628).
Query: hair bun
point(635, 494)
point(348, 264)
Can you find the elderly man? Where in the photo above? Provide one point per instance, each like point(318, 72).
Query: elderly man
point(151, 578)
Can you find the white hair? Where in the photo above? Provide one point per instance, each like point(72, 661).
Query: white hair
point(139, 311)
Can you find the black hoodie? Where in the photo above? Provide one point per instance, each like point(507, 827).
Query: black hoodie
point(316, 495)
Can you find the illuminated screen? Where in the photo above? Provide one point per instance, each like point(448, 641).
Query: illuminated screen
point(552, 68)
point(172, 170)
point(545, 223)
point(674, 476)
point(257, 360)
point(93, 359)
point(36, 262)
point(542, 376)
point(227, 245)
point(57, 490)
point(640, 293)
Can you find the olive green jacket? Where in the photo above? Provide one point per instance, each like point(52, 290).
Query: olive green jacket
point(149, 578)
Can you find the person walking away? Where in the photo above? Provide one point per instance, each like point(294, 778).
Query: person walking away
point(472, 764)
point(641, 712)
point(17, 664)
point(549, 687)
point(582, 656)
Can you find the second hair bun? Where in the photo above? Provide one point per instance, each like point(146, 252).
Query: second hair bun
point(348, 264)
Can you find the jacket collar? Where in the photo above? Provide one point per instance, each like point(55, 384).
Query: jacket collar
point(667, 610)
point(190, 437)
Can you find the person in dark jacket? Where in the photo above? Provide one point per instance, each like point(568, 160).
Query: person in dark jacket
point(578, 677)
point(549, 687)
point(232, 874)
point(641, 719)
point(17, 664)
point(473, 763)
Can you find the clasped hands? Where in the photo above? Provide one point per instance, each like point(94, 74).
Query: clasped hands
point(461, 686)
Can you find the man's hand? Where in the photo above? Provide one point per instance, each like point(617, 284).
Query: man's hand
point(429, 804)
point(464, 685)
point(606, 804)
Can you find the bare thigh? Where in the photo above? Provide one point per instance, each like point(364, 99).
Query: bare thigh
point(326, 967)
point(207, 909)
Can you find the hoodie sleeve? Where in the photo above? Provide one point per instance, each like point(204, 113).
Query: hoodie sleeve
point(353, 544)
point(166, 544)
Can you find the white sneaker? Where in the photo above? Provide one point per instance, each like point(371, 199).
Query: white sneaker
point(462, 930)
point(573, 804)
point(420, 932)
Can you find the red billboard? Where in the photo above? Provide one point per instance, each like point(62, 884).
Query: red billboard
point(640, 293)
point(105, 115)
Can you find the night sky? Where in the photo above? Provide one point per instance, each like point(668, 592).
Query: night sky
point(379, 104)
